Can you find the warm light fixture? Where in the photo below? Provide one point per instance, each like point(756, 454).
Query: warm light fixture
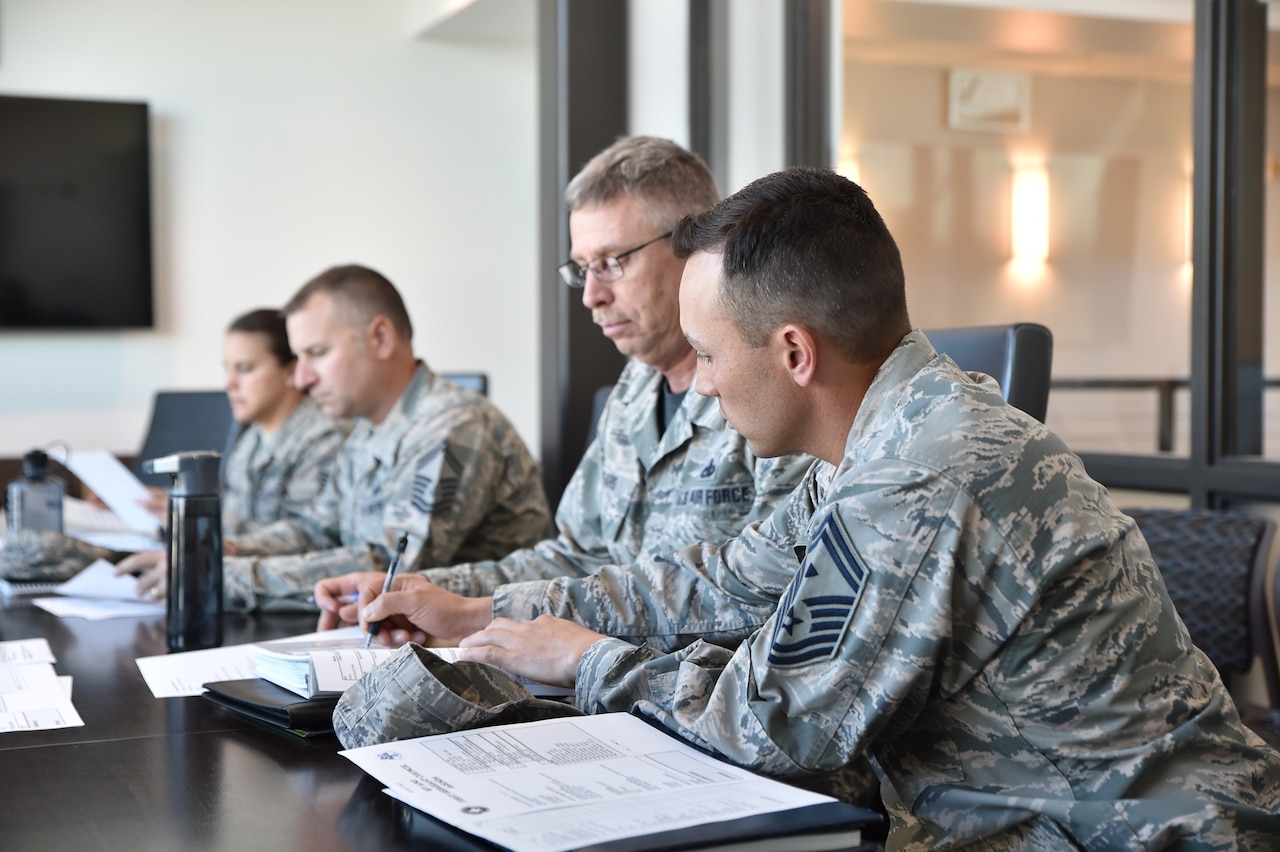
point(848, 164)
point(1030, 214)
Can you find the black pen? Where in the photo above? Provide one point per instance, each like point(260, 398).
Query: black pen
point(375, 626)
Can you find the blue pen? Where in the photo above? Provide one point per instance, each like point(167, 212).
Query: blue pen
point(375, 626)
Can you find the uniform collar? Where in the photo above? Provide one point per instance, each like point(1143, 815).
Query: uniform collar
point(383, 440)
point(641, 399)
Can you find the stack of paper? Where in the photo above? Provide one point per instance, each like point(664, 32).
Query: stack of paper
point(318, 664)
point(97, 593)
point(32, 696)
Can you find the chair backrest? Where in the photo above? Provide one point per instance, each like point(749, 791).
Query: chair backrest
point(1019, 356)
point(1215, 565)
point(182, 421)
point(478, 382)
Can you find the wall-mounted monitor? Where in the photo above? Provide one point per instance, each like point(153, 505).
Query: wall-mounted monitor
point(75, 214)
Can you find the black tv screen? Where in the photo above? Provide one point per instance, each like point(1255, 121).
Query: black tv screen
point(75, 214)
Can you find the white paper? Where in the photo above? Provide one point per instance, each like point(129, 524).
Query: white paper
point(32, 698)
point(20, 651)
point(87, 522)
point(121, 542)
point(564, 783)
point(176, 675)
point(312, 663)
point(97, 610)
point(82, 516)
point(99, 580)
point(116, 485)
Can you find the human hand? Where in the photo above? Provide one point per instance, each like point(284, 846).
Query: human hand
point(547, 649)
point(152, 570)
point(417, 610)
point(338, 597)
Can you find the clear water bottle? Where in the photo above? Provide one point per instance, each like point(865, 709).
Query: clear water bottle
point(35, 501)
point(194, 600)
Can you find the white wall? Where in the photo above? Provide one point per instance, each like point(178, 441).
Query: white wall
point(288, 136)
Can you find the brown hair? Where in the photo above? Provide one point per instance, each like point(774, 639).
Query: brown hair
point(805, 245)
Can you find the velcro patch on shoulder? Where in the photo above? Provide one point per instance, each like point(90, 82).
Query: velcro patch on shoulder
point(819, 604)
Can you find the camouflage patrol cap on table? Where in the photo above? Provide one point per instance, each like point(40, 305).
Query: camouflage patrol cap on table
point(415, 693)
point(45, 556)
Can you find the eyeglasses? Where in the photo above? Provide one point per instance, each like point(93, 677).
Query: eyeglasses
point(603, 268)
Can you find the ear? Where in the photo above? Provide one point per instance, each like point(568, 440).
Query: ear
point(380, 335)
point(799, 350)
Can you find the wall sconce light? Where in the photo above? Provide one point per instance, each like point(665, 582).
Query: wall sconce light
point(848, 164)
point(1030, 215)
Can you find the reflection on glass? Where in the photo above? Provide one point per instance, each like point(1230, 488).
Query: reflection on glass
point(953, 111)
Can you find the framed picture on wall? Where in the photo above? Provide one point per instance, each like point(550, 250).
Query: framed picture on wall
point(992, 101)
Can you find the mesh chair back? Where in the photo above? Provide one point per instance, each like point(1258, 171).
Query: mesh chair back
point(1215, 566)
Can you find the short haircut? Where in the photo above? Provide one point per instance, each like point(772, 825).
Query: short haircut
point(667, 181)
point(269, 322)
point(805, 245)
point(360, 294)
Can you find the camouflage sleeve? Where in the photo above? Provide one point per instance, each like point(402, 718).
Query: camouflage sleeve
point(711, 591)
point(453, 485)
point(577, 551)
point(723, 593)
point(286, 582)
point(555, 557)
point(310, 475)
point(316, 528)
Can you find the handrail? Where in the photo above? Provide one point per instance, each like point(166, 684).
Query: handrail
point(1164, 387)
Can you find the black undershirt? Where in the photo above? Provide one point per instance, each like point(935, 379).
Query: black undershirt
point(668, 404)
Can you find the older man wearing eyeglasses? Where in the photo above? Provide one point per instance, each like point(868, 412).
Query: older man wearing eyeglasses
point(664, 471)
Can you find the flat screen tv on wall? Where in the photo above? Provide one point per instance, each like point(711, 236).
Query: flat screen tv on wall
point(75, 214)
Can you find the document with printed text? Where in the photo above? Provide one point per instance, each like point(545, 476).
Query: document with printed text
point(32, 695)
point(563, 784)
point(178, 675)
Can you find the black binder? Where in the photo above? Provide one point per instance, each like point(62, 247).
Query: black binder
point(274, 706)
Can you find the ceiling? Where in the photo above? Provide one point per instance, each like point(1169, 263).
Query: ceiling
point(1133, 39)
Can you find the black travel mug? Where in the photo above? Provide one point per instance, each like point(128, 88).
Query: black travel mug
point(194, 601)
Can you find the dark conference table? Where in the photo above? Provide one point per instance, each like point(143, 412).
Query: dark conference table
point(147, 773)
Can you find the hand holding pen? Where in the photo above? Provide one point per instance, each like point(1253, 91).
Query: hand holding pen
point(375, 626)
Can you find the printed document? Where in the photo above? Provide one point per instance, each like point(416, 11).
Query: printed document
point(565, 783)
point(20, 651)
point(117, 486)
point(33, 698)
point(177, 675)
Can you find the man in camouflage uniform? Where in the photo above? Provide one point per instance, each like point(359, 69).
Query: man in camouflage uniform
point(663, 471)
point(426, 458)
point(971, 611)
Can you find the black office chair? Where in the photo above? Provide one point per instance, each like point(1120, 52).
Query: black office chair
point(1019, 356)
point(183, 421)
point(1215, 565)
point(478, 382)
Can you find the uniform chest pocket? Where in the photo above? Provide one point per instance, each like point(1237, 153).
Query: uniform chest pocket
point(618, 495)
